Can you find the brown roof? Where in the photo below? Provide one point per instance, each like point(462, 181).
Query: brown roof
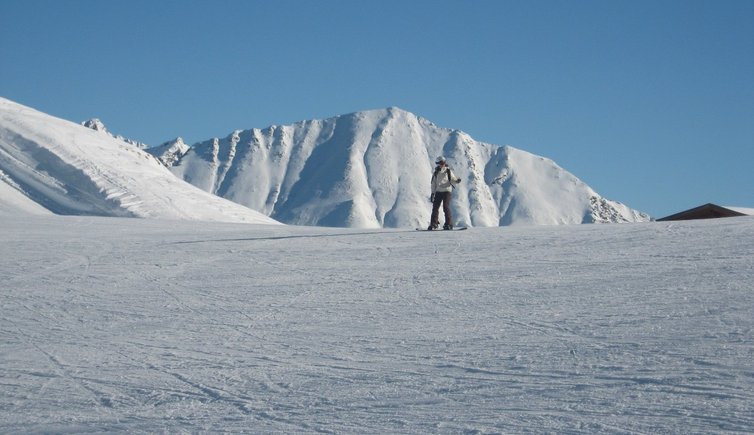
point(706, 211)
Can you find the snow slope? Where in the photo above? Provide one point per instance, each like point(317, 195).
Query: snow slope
point(14, 202)
point(70, 169)
point(97, 125)
point(124, 325)
point(372, 169)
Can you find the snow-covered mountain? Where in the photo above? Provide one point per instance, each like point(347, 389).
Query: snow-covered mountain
point(373, 169)
point(52, 165)
point(169, 152)
point(368, 169)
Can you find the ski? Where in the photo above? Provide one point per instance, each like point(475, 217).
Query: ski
point(439, 230)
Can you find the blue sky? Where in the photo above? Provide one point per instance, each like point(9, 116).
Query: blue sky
point(649, 102)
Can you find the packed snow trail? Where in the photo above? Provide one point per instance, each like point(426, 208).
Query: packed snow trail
point(152, 326)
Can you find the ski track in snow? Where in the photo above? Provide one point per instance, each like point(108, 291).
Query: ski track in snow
point(139, 325)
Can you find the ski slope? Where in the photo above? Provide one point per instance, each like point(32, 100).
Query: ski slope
point(112, 324)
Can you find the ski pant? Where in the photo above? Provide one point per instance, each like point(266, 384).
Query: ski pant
point(441, 198)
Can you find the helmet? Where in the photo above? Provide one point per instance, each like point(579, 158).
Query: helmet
point(439, 160)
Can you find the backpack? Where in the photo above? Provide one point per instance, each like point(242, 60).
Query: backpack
point(447, 174)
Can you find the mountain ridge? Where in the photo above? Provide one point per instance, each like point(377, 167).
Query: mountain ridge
point(96, 124)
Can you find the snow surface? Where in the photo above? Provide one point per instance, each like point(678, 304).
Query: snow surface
point(67, 168)
point(373, 169)
point(111, 324)
point(13, 201)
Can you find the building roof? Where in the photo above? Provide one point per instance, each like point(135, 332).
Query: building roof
point(709, 211)
point(746, 211)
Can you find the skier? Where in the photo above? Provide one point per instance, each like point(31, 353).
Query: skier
point(442, 186)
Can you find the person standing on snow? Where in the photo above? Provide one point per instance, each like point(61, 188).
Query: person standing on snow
point(442, 186)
